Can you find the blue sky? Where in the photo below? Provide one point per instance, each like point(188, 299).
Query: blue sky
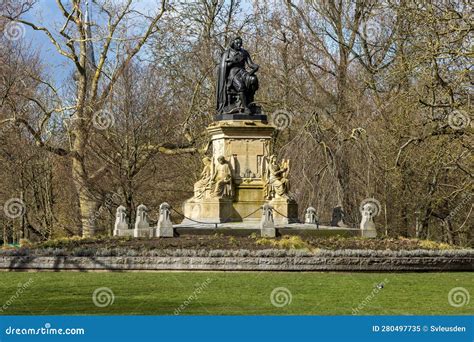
point(46, 13)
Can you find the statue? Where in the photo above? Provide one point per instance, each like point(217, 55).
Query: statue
point(311, 216)
point(222, 179)
point(367, 225)
point(236, 86)
point(165, 226)
point(368, 212)
point(277, 184)
point(121, 221)
point(141, 221)
point(203, 184)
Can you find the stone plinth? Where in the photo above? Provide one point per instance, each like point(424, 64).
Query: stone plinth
point(267, 224)
point(368, 233)
point(208, 210)
point(123, 232)
point(143, 232)
point(284, 210)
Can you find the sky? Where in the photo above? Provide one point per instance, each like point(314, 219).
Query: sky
point(46, 13)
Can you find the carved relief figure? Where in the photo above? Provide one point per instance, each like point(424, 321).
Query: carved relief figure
point(222, 179)
point(203, 184)
point(277, 184)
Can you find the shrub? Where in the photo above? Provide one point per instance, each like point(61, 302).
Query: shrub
point(428, 244)
point(84, 252)
point(286, 242)
point(25, 243)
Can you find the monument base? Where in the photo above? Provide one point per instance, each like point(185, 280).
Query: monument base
point(123, 232)
point(368, 233)
point(164, 231)
point(143, 232)
point(208, 210)
point(268, 232)
point(252, 117)
point(245, 143)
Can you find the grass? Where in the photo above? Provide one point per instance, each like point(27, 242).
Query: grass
point(218, 293)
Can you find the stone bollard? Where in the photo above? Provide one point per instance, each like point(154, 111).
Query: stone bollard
point(310, 216)
point(165, 226)
point(142, 227)
point(367, 224)
point(121, 223)
point(267, 224)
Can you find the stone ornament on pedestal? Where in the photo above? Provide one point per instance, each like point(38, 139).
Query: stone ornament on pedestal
point(310, 216)
point(121, 223)
point(142, 227)
point(367, 225)
point(267, 224)
point(165, 226)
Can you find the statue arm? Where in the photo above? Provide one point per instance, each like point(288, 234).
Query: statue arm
point(279, 172)
point(253, 66)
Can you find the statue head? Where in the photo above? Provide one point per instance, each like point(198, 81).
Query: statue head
point(121, 211)
point(369, 210)
point(273, 159)
point(236, 43)
point(221, 160)
point(206, 160)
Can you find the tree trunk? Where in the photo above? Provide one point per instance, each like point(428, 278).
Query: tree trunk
point(87, 201)
point(87, 207)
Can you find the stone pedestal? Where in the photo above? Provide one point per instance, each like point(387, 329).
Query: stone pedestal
point(284, 210)
point(246, 145)
point(143, 232)
point(267, 224)
point(123, 232)
point(368, 233)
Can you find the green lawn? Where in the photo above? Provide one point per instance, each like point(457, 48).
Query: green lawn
point(167, 293)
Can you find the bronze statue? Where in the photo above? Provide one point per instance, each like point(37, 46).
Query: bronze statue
point(236, 86)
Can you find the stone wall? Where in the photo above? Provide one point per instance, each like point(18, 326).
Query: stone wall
point(269, 260)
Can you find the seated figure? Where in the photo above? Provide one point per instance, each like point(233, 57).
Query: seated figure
point(277, 182)
point(203, 184)
point(222, 179)
point(234, 79)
